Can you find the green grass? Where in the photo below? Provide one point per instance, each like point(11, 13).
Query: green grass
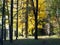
point(34, 42)
point(42, 40)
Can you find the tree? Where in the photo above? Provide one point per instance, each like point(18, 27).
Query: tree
point(17, 22)
point(26, 17)
point(3, 16)
point(35, 14)
point(11, 22)
point(55, 9)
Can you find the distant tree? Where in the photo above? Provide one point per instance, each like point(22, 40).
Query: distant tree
point(56, 9)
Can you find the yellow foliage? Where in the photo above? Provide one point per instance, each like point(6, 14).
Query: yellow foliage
point(31, 19)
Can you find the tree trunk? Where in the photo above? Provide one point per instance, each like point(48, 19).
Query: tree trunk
point(36, 24)
point(26, 17)
point(35, 11)
point(17, 22)
point(3, 16)
point(4, 33)
point(11, 22)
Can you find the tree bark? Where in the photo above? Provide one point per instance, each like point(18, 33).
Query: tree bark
point(36, 24)
point(17, 22)
point(35, 11)
point(11, 22)
point(3, 16)
point(26, 17)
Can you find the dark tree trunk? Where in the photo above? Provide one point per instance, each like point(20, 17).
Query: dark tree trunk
point(11, 22)
point(36, 14)
point(35, 11)
point(5, 21)
point(26, 17)
point(17, 22)
point(4, 33)
point(3, 16)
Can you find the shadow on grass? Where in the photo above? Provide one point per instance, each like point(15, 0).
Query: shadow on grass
point(33, 42)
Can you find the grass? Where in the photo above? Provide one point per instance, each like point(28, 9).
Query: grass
point(43, 40)
point(34, 42)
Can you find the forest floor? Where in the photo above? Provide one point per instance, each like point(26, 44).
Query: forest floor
point(41, 41)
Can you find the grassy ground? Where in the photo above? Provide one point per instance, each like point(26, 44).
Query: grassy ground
point(34, 42)
point(41, 41)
